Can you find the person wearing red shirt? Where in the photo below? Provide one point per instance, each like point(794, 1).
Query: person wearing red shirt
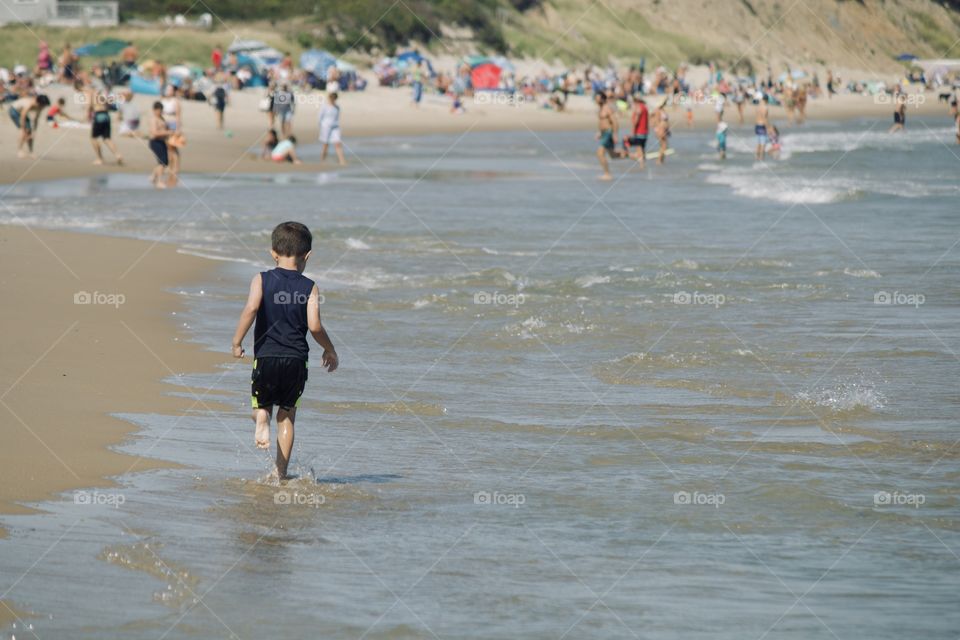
point(636, 143)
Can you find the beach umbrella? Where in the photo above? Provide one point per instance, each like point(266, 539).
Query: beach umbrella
point(104, 49)
point(486, 76)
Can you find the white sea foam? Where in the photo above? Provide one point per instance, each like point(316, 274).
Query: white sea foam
point(588, 281)
point(356, 244)
point(791, 191)
point(860, 273)
point(846, 396)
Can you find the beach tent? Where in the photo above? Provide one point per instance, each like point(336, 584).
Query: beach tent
point(410, 59)
point(144, 86)
point(317, 62)
point(485, 72)
point(485, 76)
point(103, 49)
point(256, 55)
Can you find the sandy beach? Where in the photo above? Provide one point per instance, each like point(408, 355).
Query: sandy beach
point(70, 364)
point(66, 152)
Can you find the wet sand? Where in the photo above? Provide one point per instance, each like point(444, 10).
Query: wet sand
point(67, 366)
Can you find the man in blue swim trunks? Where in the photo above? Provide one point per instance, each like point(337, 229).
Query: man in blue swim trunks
point(607, 135)
point(762, 122)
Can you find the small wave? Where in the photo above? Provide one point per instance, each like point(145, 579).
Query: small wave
point(757, 186)
point(586, 282)
point(861, 273)
point(846, 396)
point(356, 244)
point(692, 265)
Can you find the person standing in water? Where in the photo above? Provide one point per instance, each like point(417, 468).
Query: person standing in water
point(283, 306)
point(760, 127)
point(662, 128)
point(636, 145)
point(899, 113)
point(607, 135)
point(329, 121)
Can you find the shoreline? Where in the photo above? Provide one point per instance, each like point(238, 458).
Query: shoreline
point(72, 366)
point(378, 112)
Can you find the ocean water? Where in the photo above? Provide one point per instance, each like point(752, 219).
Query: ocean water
point(708, 400)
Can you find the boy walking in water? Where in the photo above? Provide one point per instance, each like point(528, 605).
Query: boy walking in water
point(285, 305)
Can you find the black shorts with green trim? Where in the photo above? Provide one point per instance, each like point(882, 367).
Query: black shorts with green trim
point(277, 381)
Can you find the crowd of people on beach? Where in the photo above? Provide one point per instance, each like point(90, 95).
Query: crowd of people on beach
point(647, 102)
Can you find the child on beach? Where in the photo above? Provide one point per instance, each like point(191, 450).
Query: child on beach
point(722, 139)
point(285, 305)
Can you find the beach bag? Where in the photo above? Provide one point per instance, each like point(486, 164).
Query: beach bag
point(265, 104)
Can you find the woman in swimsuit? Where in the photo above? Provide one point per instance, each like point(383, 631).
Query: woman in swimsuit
point(662, 129)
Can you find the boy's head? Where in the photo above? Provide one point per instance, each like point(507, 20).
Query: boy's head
point(292, 240)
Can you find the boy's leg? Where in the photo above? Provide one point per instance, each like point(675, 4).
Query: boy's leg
point(340, 158)
point(262, 434)
point(285, 419)
point(96, 150)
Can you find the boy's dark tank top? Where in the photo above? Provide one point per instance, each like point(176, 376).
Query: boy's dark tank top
point(281, 329)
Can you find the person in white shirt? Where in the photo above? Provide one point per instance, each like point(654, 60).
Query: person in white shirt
point(330, 128)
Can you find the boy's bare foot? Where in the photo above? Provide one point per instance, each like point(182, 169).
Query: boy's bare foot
point(262, 436)
point(606, 177)
point(98, 161)
point(119, 161)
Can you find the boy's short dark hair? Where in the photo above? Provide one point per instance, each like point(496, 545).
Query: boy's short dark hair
point(292, 239)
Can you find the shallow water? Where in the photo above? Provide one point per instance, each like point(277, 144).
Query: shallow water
point(676, 406)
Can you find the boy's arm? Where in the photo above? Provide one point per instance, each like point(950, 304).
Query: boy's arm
point(330, 359)
point(247, 316)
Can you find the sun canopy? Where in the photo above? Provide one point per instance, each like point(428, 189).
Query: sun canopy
point(103, 49)
point(943, 66)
